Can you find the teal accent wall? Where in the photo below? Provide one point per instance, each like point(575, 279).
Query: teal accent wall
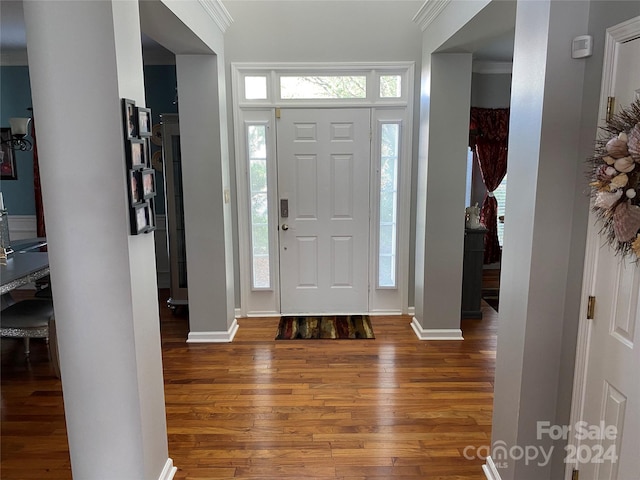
point(15, 98)
point(160, 91)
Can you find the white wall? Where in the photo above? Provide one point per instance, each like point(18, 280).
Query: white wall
point(553, 118)
point(602, 14)
point(110, 358)
point(194, 31)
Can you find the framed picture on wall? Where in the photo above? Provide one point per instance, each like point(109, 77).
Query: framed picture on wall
point(138, 219)
point(136, 195)
point(144, 122)
point(137, 153)
point(7, 158)
point(130, 120)
point(148, 183)
point(150, 212)
point(147, 153)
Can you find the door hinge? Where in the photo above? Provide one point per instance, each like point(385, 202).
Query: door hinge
point(277, 112)
point(591, 307)
point(611, 106)
point(575, 475)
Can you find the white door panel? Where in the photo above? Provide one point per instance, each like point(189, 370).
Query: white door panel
point(323, 175)
point(612, 387)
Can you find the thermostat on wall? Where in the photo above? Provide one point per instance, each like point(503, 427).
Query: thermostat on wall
point(582, 46)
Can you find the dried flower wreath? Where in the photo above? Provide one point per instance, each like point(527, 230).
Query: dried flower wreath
point(615, 181)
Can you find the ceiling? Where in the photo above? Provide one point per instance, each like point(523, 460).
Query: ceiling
point(13, 39)
point(497, 47)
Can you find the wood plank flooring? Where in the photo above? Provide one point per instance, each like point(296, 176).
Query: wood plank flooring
point(393, 407)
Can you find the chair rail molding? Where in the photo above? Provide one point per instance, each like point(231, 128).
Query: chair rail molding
point(22, 226)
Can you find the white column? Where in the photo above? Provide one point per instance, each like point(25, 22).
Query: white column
point(441, 195)
point(207, 207)
point(83, 58)
point(544, 165)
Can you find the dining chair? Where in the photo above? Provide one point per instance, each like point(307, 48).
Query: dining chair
point(32, 318)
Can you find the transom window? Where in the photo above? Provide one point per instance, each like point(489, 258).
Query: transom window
point(385, 84)
point(313, 87)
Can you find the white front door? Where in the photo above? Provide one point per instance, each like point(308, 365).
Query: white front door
point(612, 388)
point(323, 206)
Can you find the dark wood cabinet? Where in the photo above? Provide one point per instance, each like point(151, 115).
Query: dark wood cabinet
point(472, 272)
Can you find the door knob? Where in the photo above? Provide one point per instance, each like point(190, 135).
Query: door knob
point(285, 227)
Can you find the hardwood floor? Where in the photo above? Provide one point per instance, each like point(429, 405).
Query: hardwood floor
point(393, 407)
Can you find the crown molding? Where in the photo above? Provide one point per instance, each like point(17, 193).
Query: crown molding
point(429, 11)
point(487, 67)
point(218, 13)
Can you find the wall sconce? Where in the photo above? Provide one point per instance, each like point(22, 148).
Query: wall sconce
point(19, 129)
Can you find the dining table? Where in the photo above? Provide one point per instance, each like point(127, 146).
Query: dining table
point(27, 263)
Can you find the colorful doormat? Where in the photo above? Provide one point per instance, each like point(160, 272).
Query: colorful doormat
point(329, 327)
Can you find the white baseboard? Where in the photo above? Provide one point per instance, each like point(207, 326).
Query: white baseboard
point(214, 337)
point(169, 471)
point(490, 470)
point(411, 311)
point(435, 333)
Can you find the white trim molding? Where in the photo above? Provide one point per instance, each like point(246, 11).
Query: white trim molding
point(428, 12)
point(435, 333)
point(218, 13)
point(262, 112)
point(214, 337)
point(490, 470)
point(169, 470)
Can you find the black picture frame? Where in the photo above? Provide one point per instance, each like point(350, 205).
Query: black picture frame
point(129, 119)
point(148, 177)
point(8, 165)
point(150, 212)
point(143, 117)
point(136, 196)
point(137, 153)
point(138, 218)
point(147, 153)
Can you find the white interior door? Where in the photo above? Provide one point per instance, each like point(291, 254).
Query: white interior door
point(323, 190)
point(612, 390)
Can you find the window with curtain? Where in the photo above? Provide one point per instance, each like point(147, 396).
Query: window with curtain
point(489, 133)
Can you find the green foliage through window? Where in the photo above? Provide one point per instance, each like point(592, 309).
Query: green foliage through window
point(318, 87)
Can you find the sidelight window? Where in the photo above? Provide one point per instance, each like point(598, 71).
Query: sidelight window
point(257, 150)
point(388, 219)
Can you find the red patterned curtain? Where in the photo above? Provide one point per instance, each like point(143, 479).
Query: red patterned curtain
point(40, 227)
point(489, 138)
